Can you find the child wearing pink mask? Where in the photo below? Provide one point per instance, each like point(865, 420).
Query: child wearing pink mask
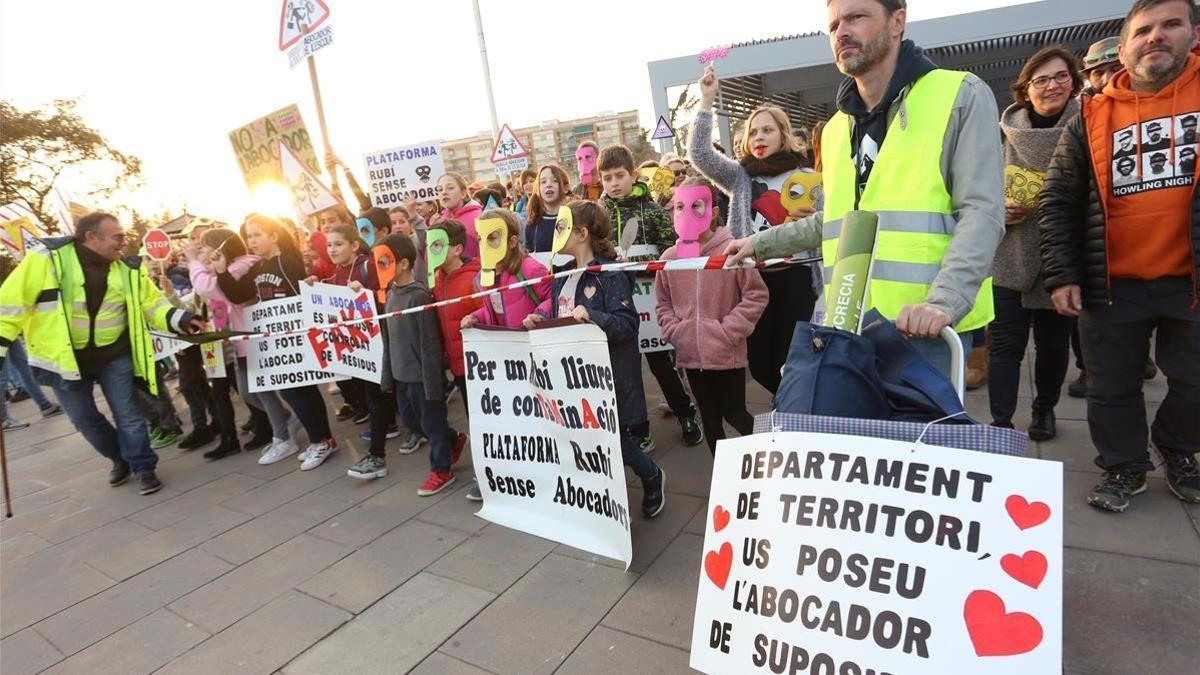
point(709, 329)
point(587, 155)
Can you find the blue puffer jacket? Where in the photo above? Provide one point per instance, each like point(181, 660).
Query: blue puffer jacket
point(610, 306)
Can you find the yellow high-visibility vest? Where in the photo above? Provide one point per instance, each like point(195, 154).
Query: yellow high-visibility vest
point(907, 191)
point(44, 298)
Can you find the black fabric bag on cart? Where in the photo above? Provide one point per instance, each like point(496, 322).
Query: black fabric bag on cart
point(876, 375)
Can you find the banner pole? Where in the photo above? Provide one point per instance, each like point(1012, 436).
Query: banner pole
point(316, 89)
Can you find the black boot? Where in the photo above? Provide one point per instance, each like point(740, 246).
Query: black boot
point(1078, 388)
point(259, 441)
point(199, 436)
point(654, 498)
point(1043, 426)
point(228, 446)
point(119, 473)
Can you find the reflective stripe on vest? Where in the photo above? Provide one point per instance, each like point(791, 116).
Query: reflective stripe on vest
point(111, 319)
point(907, 191)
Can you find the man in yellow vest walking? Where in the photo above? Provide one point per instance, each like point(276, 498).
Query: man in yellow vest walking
point(917, 146)
point(86, 315)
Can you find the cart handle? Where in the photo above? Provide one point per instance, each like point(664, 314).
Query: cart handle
point(957, 361)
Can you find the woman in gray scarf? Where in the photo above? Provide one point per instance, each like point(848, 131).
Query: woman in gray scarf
point(1045, 101)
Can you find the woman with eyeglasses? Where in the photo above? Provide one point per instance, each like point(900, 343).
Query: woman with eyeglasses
point(1044, 101)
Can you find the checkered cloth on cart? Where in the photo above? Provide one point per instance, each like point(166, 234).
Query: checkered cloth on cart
point(978, 437)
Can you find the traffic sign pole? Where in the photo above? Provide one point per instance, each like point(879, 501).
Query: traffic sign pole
point(487, 71)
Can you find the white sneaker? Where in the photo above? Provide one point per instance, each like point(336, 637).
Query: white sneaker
point(317, 453)
point(279, 449)
point(303, 455)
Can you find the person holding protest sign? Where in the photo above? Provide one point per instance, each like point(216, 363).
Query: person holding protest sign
point(199, 261)
point(332, 162)
point(415, 352)
point(606, 299)
point(708, 314)
point(510, 306)
point(457, 205)
point(454, 276)
point(937, 189)
point(278, 275)
point(643, 230)
point(351, 262)
point(93, 331)
point(227, 254)
point(771, 155)
point(553, 190)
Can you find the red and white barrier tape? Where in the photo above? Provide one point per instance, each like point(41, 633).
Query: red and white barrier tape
point(715, 262)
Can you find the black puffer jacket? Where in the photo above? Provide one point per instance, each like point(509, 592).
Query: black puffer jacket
point(1071, 223)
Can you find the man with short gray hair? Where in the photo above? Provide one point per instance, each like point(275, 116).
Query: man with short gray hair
point(86, 313)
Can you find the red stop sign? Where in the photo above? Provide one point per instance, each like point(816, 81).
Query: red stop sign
point(157, 244)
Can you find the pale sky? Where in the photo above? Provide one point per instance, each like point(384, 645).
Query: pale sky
point(167, 80)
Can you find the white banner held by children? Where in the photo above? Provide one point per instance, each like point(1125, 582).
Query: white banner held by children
point(838, 554)
point(645, 301)
point(544, 436)
point(282, 361)
point(353, 350)
point(393, 174)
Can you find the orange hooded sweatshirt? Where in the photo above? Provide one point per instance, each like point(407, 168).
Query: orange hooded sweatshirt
point(1144, 150)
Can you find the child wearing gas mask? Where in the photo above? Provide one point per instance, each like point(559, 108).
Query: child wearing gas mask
point(606, 299)
point(708, 314)
point(504, 262)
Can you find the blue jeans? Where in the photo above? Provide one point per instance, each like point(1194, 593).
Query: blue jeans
point(16, 371)
point(632, 454)
point(426, 418)
point(129, 440)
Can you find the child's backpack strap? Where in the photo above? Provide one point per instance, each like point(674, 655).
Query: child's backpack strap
point(528, 290)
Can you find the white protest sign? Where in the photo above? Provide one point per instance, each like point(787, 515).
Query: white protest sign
point(281, 361)
point(312, 43)
point(645, 301)
point(352, 350)
point(395, 173)
point(844, 554)
point(544, 436)
point(298, 17)
point(165, 347)
point(308, 193)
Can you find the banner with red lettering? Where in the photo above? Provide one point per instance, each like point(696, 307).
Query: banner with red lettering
point(349, 349)
point(544, 435)
point(845, 554)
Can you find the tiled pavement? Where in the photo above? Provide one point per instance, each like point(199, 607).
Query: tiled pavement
point(235, 567)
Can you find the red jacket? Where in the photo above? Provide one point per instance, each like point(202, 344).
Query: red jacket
point(460, 282)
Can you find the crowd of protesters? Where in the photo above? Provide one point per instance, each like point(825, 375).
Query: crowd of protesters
point(1071, 215)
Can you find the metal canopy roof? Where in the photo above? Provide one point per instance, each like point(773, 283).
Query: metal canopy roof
point(797, 72)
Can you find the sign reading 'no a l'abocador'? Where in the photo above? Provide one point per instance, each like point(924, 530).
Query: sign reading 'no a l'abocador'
point(845, 554)
point(544, 438)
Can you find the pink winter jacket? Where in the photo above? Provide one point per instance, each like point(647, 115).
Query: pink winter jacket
point(517, 302)
point(204, 283)
point(466, 214)
point(708, 314)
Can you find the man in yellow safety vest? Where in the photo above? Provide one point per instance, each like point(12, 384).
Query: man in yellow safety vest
point(916, 145)
point(86, 314)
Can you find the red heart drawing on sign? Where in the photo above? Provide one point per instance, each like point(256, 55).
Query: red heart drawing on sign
point(720, 518)
point(717, 564)
point(1024, 514)
point(1029, 569)
point(995, 632)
